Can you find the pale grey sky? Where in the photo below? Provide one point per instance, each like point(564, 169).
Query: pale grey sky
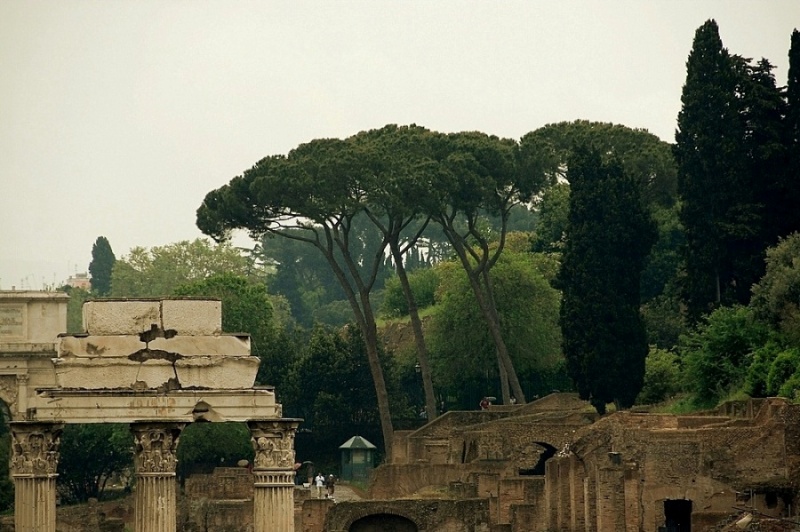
point(117, 117)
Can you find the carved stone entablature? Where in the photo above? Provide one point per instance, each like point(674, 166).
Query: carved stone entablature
point(34, 448)
point(273, 443)
point(156, 446)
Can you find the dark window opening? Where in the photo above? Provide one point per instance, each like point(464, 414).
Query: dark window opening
point(771, 499)
point(677, 516)
point(538, 469)
point(383, 523)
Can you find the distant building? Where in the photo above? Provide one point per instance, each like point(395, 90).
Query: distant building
point(80, 280)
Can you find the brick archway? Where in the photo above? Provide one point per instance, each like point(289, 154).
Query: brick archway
point(383, 523)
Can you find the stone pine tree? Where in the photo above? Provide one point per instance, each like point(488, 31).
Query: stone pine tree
point(609, 234)
point(102, 264)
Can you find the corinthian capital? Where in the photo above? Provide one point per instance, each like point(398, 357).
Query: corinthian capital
point(34, 448)
point(273, 443)
point(156, 446)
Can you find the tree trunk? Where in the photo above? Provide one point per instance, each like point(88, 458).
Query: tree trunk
point(504, 390)
point(492, 320)
point(419, 338)
point(371, 339)
point(506, 368)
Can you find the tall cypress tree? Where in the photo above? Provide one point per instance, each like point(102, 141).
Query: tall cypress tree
point(712, 173)
point(760, 211)
point(608, 237)
point(792, 138)
point(103, 260)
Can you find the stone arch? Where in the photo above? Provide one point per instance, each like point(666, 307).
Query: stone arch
point(368, 513)
point(383, 522)
point(546, 454)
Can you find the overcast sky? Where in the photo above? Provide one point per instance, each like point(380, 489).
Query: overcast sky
point(117, 117)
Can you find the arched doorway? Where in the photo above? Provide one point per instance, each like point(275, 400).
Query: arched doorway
point(383, 523)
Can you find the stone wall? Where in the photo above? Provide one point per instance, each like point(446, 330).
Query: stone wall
point(222, 483)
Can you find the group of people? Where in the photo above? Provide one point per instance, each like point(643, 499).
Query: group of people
point(329, 483)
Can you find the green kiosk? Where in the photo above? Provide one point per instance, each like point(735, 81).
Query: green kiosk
point(358, 458)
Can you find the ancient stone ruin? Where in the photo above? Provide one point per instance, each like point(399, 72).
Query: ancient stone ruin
point(554, 465)
point(155, 364)
point(550, 465)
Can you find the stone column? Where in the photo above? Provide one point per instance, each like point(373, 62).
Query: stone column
point(273, 469)
point(34, 462)
point(155, 460)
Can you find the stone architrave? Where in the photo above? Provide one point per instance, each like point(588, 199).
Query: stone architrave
point(34, 465)
point(155, 459)
point(273, 471)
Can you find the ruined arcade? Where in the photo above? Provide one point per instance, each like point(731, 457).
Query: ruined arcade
point(157, 365)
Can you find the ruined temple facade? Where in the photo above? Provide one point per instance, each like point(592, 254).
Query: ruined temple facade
point(554, 465)
point(155, 364)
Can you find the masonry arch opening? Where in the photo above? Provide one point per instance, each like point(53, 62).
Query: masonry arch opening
point(383, 523)
point(547, 452)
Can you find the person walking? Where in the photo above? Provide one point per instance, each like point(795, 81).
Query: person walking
point(319, 482)
point(330, 483)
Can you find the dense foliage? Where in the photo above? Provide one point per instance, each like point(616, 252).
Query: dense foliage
point(204, 446)
point(158, 271)
point(737, 196)
point(110, 447)
point(528, 310)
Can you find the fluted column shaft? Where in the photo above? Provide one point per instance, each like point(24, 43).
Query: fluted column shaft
point(156, 447)
point(34, 466)
point(273, 471)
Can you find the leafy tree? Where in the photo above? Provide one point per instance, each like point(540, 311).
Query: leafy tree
point(664, 262)
point(645, 157)
point(776, 297)
point(755, 384)
point(157, 271)
point(608, 237)
point(102, 264)
point(246, 308)
point(662, 377)
point(664, 320)
point(784, 366)
point(528, 310)
point(717, 354)
point(552, 221)
point(423, 284)
point(205, 446)
point(110, 447)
